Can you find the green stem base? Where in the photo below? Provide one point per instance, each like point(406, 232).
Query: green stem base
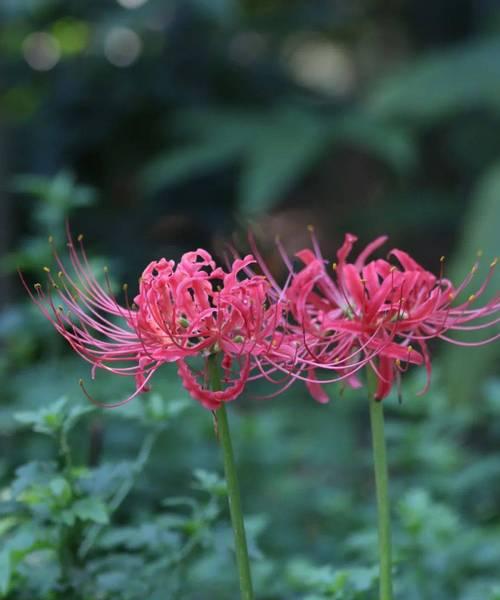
point(382, 489)
point(233, 488)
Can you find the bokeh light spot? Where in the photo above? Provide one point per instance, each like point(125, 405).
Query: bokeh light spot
point(122, 46)
point(319, 64)
point(41, 51)
point(131, 3)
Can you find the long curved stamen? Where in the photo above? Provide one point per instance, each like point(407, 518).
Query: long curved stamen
point(138, 391)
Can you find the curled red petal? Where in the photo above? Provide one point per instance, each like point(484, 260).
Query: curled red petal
point(208, 398)
point(385, 376)
point(316, 389)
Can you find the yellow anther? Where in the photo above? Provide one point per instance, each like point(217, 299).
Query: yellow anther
point(474, 269)
point(398, 362)
point(51, 239)
point(105, 269)
point(392, 269)
point(80, 382)
point(310, 228)
point(471, 298)
point(494, 262)
point(451, 296)
point(37, 286)
point(410, 349)
point(362, 280)
point(125, 287)
point(54, 285)
point(60, 308)
point(479, 253)
point(442, 259)
point(80, 237)
point(60, 274)
point(46, 269)
point(334, 266)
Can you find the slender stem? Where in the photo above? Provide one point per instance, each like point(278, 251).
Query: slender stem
point(65, 453)
point(382, 487)
point(233, 489)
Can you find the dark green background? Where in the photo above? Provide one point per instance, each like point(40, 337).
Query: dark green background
point(366, 116)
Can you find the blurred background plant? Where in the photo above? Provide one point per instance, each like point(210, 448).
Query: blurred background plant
point(156, 127)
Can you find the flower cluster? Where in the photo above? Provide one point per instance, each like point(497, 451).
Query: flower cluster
point(336, 319)
point(378, 313)
point(192, 309)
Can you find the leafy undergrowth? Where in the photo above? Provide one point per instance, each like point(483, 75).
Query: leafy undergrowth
point(129, 503)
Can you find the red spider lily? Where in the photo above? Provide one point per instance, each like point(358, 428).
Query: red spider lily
point(313, 298)
point(186, 310)
point(377, 313)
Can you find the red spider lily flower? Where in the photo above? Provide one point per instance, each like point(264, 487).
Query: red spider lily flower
point(377, 313)
point(189, 309)
point(315, 304)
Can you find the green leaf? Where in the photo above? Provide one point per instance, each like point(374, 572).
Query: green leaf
point(74, 414)
point(35, 473)
point(40, 573)
point(7, 523)
point(194, 159)
point(67, 517)
point(363, 579)
point(58, 416)
point(495, 593)
point(61, 489)
point(47, 420)
point(57, 195)
point(438, 85)
point(390, 143)
point(276, 148)
point(91, 509)
point(467, 368)
point(30, 253)
point(218, 138)
point(5, 572)
point(283, 148)
point(209, 482)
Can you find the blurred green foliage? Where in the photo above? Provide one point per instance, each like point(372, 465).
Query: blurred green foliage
point(93, 528)
point(468, 366)
point(56, 198)
point(162, 127)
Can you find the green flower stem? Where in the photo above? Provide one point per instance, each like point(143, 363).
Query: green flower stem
point(382, 487)
point(233, 490)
